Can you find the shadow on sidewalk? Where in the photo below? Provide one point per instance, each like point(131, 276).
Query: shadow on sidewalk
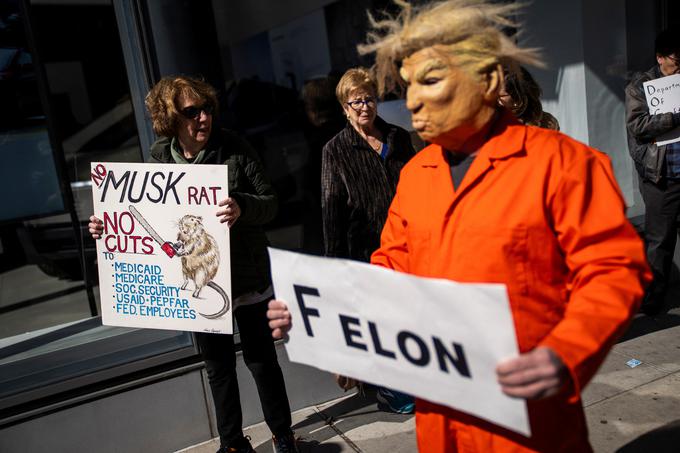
point(307, 446)
point(661, 440)
point(357, 410)
point(643, 325)
point(318, 430)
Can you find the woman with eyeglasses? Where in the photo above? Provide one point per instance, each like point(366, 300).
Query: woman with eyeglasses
point(359, 173)
point(182, 111)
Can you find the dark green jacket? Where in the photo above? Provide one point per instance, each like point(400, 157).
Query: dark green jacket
point(251, 189)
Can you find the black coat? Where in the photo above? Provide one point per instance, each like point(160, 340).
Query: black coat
point(251, 189)
point(357, 188)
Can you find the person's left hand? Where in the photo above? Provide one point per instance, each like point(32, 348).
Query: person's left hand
point(537, 374)
point(231, 211)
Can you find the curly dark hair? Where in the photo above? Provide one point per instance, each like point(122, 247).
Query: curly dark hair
point(162, 99)
point(526, 96)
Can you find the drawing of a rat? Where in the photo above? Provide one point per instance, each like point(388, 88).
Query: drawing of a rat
point(200, 259)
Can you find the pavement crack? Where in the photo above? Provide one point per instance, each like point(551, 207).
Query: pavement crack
point(329, 422)
point(631, 389)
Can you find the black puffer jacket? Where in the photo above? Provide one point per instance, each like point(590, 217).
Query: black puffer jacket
point(357, 188)
point(251, 189)
point(643, 128)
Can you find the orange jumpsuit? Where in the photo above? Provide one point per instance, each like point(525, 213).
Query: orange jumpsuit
point(541, 213)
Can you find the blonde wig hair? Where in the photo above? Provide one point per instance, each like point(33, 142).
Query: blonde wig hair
point(353, 80)
point(162, 99)
point(470, 30)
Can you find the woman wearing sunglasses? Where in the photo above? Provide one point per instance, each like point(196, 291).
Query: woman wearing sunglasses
point(359, 174)
point(182, 110)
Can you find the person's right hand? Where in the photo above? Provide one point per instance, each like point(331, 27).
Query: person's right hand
point(96, 227)
point(279, 318)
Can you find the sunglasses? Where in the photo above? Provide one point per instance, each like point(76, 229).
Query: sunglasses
point(194, 111)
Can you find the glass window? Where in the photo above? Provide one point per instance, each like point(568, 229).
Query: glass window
point(64, 102)
point(281, 69)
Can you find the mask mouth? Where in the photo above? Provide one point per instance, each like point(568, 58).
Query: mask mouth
point(419, 125)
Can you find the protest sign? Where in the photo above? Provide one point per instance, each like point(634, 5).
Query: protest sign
point(164, 256)
point(663, 96)
point(436, 339)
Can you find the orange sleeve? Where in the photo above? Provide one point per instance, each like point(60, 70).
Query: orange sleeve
point(606, 260)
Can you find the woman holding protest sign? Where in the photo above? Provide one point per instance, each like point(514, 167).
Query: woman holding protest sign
point(182, 111)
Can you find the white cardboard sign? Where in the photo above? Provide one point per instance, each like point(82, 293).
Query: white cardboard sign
point(663, 96)
point(164, 258)
point(432, 338)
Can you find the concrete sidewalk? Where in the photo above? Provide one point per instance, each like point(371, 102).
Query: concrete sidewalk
point(628, 409)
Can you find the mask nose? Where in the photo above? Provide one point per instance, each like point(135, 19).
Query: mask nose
point(413, 104)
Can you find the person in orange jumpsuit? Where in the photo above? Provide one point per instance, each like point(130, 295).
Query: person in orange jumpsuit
point(492, 200)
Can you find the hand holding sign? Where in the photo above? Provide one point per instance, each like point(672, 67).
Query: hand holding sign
point(230, 213)
point(537, 374)
point(432, 338)
point(95, 227)
point(279, 318)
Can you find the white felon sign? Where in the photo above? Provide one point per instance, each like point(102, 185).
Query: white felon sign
point(433, 338)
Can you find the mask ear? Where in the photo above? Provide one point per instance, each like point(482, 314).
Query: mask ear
point(494, 82)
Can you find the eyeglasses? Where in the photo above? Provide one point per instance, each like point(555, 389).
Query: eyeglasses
point(359, 103)
point(194, 111)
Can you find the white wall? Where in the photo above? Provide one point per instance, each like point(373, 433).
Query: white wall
point(606, 63)
point(584, 44)
point(555, 27)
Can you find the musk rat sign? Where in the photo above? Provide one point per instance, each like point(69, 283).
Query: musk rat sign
point(164, 256)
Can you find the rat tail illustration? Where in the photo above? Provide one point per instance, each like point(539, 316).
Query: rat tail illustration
point(225, 307)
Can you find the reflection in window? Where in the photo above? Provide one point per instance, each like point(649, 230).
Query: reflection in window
point(88, 87)
point(77, 85)
point(32, 297)
point(29, 171)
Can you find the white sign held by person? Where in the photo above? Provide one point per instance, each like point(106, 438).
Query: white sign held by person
point(663, 96)
point(164, 256)
point(436, 339)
